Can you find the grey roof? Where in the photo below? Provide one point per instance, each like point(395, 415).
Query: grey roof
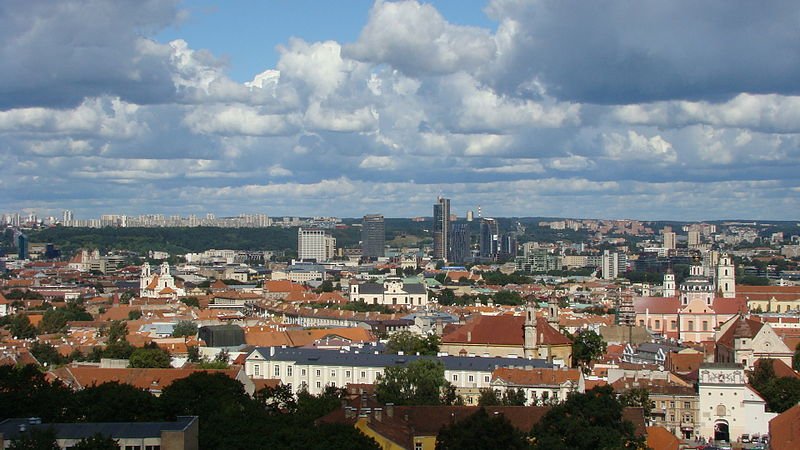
point(371, 359)
point(10, 428)
point(375, 288)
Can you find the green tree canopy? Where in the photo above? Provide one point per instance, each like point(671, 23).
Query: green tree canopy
point(796, 358)
point(47, 354)
point(55, 320)
point(781, 393)
point(20, 326)
point(36, 439)
point(150, 357)
point(411, 344)
point(481, 431)
point(586, 347)
point(25, 392)
point(510, 397)
point(419, 382)
point(184, 328)
point(586, 422)
point(97, 442)
point(116, 402)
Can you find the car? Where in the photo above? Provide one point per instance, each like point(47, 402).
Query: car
point(746, 439)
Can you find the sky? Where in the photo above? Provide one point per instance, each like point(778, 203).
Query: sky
point(650, 110)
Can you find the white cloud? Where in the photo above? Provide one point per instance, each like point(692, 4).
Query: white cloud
point(634, 146)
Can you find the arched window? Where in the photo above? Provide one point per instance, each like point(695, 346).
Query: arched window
point(721, 410)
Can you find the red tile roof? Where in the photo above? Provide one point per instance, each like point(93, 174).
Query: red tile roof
point(536, 377)
point(503, 330)
point(742, 328)
point(784, 430)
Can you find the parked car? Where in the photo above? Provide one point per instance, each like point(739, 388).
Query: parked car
point(746, 439)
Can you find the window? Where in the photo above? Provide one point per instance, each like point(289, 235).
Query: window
point(257, 370)
point(691, 325)
point(319, 385)
point(133, 447)
point(471, 378)
point(152, 447)
point(486, 379)
point(641, 322)
point(302, 372)
point(277, 370)
point(687, 405)
point(672, 404)
point(363, 374)
point(333, 373)
point(319, 373)
point(347, 373)
point(658, 324)
point(672, 417)
point(288, 371)
point(417, 445)
point(455, 377)
point(705, 325)
point(673, 324)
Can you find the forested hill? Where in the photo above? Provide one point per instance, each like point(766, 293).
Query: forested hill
point(174, 240)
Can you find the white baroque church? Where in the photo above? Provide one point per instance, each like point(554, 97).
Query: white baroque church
point(158, 284)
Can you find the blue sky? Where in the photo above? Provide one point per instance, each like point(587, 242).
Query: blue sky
point(676, 110)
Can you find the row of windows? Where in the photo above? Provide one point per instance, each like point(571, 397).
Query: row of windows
point(673, 324)
point(471, 378)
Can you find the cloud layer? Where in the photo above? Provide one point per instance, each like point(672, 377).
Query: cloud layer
point(679, 110)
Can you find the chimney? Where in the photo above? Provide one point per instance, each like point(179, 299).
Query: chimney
point(272, 351)
point(390, 410)
point(469, 336)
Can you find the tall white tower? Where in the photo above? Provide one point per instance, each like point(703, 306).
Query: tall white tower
point(530, 347)
point(726, 277)
point(669, 284)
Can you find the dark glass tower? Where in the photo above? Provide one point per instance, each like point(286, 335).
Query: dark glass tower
point(373, 236)
point(459, 243)
point(441, 228)
point(490, 236)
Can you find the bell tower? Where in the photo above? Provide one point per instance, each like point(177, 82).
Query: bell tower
point(552, 311)
point(726, 277)
point(669, 284)
point(530, 347)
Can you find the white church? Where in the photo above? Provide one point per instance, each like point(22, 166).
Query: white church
point(158, 284)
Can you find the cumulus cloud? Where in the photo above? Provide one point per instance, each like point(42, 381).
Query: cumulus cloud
point(598, 109)
point(416, 39)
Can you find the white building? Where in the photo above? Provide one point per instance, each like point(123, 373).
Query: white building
point(611, 265)
point(315, 244)
point(158, 285)
point(393, 291)
point(315, 369)
point(729, 407)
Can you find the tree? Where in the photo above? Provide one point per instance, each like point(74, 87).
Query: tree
point(97, 442)
point(36, 439)
point(780, 393)
point(193, 353)
point(586, 347)
point(508, 298)
point(586, 421)
point(420, 382)
point(20, 327)
point(411, 344)
point(325, 286)
point(150, 357)
point(47, 354)
point(134, 315)
point(191, 301)
point(116, 402)
point(55, 320)
point(184, 328)
point(25, 392)
point(481, 431)
point(278, 399)
point(510, 397)
point(639, 398)
point(796, 358)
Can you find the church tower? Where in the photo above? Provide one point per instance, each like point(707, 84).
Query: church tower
point(669, 284)
point(144, 277)
point(726, 277)
point(552, 311)
point(530, 347)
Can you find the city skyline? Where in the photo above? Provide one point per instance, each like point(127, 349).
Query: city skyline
point(529, 109)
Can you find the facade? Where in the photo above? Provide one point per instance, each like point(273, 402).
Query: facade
point(460, 243)
point(669, 238)
point(441, 229)
point(526, 336)
point(373, 236)
point(315, 244)
point(541, 386)
point(729, 407)
point(745, 341)
point(393, 291)
point(489, 239)
point(179, 435)
point(314, 369)
point(611, 265)
point(158, 285)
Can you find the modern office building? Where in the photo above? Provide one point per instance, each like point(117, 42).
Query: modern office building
point(373, 236)
point(315, 244)
point(489, 239)
point(460, 244)
point(22, 247)
point(669, 238)
point(441, 229)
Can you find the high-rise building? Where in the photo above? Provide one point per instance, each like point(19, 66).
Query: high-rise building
point(693, 238)
point(373, 236)
point(610, 265)
point(22, 247)
point(470, 215)
point(489, 238)
point(669, 238)
point(315, 244)
point(441, 228)
point(460, 243)
point(508, 245)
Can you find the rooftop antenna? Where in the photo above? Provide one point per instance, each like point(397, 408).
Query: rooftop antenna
point(480, 215)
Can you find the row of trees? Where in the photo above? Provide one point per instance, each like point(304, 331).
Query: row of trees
point(229, 418)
